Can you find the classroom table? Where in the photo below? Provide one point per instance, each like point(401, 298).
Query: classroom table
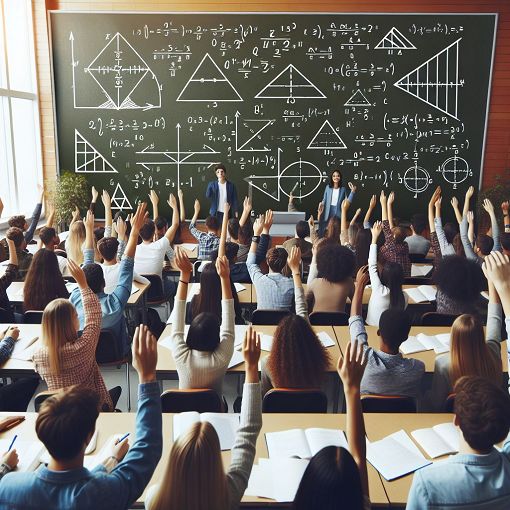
point(109, 424)
point(244, 295)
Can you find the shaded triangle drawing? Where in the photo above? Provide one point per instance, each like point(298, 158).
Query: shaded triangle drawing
point(207, 84)
point(88, 160)
point(290, 84)
point(124, 77)
point(358, 99)
point(326, 138)
point(394, 40)
point(436, 81)
point(120, 200)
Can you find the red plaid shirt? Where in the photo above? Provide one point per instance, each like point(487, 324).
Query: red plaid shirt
point(79, 364)
point(393, 252)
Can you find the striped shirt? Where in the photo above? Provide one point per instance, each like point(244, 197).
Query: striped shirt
point(207, 242)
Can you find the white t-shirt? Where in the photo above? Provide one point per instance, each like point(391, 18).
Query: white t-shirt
point(223, 195)
point(149, 258)
point(111, 277)
point(62, 264)
point(334, 196)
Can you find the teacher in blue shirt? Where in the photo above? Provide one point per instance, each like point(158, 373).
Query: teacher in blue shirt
point(221, 191)
point(334, 195)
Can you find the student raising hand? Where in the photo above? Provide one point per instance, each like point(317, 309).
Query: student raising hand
point(376, 231)
point(351, 367)
point(77, 273)
point(496, 267)
point(145, 354)
point(251, 354)
point(294, 259)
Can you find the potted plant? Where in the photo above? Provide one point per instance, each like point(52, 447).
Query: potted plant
point(497, 193)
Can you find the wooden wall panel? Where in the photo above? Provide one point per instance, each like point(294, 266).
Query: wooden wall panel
point(497, 155)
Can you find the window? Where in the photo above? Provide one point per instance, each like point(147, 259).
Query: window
point(20, 141)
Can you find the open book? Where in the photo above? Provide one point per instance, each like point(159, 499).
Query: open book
point(266, 480)
point(421, 342)
point(422, 293)
point(25, 345)
point(226, 425)
point(396, 455)
point(439, 440)
point(420, 270)
point(302, 443)
point(29, 452)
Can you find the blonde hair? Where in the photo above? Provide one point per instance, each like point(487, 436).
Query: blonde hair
point(58, 328)
point(194, 477)
point(469, 353)
point(74, 243)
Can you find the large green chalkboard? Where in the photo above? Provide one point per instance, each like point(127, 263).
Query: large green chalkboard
point(154, 100)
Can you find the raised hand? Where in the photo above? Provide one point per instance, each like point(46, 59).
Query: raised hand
point(311, 222)
point(489, 208)
point(153, 197)
point(320, 210)
point(373, 202)
point(470, 191)
point(435, 196)
point(76, 214)
point(382, 198)
point(454, 202)
point(268, 221)
point(362, 277)
point(139, 218)
point(294, 259)
point(352, 187)
point(251, 354)
point(391, 198)
point(105, 198)
point(77, 273)
point(196, 207)
point(182, 261)
point(376, 231)
point(505, 206)
point(95, 194)
point(226, 209)
point(258, 225)
point(496, 267)
point(247, 204)
point(145, 354)
point(172, 201)
point(470, 217)
point(351, 367)
point(88, 221)
point(121, 228)
point(222, 267)
point(345, 204)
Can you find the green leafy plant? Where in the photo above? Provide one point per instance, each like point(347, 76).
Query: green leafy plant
point(496, 193)
point(71, 190)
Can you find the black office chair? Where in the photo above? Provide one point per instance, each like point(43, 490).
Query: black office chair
point(268, 317)
point(290, 400)
point(155, 293)
point(33, 317)
point(199, 400)
point(387, 404)
point(329, 319)
point(437, 319)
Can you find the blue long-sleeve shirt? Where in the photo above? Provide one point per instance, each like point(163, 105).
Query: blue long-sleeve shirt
point(112, 305)
point(83, 489)
point(6, 348)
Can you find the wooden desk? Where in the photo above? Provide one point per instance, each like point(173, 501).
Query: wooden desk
point(137, 302)
point(191, 249)
point(109, 424)
point(245, 296)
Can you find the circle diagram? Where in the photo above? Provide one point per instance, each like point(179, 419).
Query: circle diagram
point(455, 170)
point(416, 179)
point(300, 178)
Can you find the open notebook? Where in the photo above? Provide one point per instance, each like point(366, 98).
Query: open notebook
point(25, 346)
point(226, 425)
point(421, 342)
point(439, 440)
point(422, 293)
point(302, 443)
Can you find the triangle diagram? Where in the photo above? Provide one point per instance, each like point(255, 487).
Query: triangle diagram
point(358, 99)
point(394, 40)
point(120, 200)
point(436, 81)
point(208, 84)
point(252, 129)
point(290, 84)
point(326, 138)
point(88, 160)
point(124, 77)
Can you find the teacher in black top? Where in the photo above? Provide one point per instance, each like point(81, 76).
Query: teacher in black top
point(334, 195)
point(221, 191)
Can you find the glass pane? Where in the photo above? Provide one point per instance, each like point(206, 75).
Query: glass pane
point(7, 188)
point(26, 151)
point(3, 82)
point(19, 32)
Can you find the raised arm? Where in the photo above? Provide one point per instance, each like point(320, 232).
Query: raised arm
point(92, 205)
point(350, 369)
point(432, 202)
point(468, 248)
point(36, 214)
point(182, 210)
point(75, 216)
point(224, 225)
point(496, 267)
point(247, 206)
point(352, 191)
point(467, 198)
point(344, 224)
point(505, 207)
point(192, 228)
point(370, 210)
point(456, 210)
point(355, 217)
point(137, 223)
point(88, 250)
point(489, 208)
point(389, 208)
point(108, 219)
point(251, 261)
point(291, 206)
point(375, 281)
point(384, 206)
point(471, 226)
point(494, 311)
point(293, 262)
point(50, 217)
point(153, 197)
point(170, 233)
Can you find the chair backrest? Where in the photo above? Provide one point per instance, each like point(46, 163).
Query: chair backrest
point(268, 317)
point(417, 257)
point(450, 403)
point(6, 316)
point(290, 400)
point(41, 397)
point(196, 269)
point(329, 319)
point(155, 293)
point(199, 400)
point(437, 319)
point(33, 317)
point(387, 404)
point(418, 280)
point(108, 348)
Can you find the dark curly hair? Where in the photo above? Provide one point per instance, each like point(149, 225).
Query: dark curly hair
point(297, 358)
point(459, 278)
point(335, 263)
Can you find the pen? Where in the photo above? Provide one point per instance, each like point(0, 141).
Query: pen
point(122, 438)
point(12, 442)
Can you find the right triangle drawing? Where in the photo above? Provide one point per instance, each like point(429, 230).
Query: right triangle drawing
point(436, 81)
point(326, 138)
point(120, 200)
point(395, 40)
point(87, 160)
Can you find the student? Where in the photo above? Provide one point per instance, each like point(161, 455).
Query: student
point(65, 358)
point(386, 288)
point(297, 358)
point(150, 255)
point(274, 291)
point(221, 191)
point(388, 372)
point(334, 195)
point(203, 357)
point(24, 258)
point(114, 304)
point(65, 425)
point(194, 477)
point(241, 231)
point(362, 248)
point(332, 232)
point(395, 248)
point(299, 240)
point(479, 475)
point(445, 235)
point(472, 352)
point(21, 223)
point(50, 241)
point(6, 279)
point(74, 242)
point(505, 209)
point(417, 242)
point(43, 282)
point(330, 277)
point(348, 230)
point(207, 241)
point(335, 478)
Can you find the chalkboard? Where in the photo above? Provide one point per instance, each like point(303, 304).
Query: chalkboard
point(153, 101)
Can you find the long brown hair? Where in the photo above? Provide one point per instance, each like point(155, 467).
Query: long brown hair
point(74, 243)
point(332, 233)
point(43, 282)
point(297, 358)
point(58, 328)
point(194, 478)
point(469, 354)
